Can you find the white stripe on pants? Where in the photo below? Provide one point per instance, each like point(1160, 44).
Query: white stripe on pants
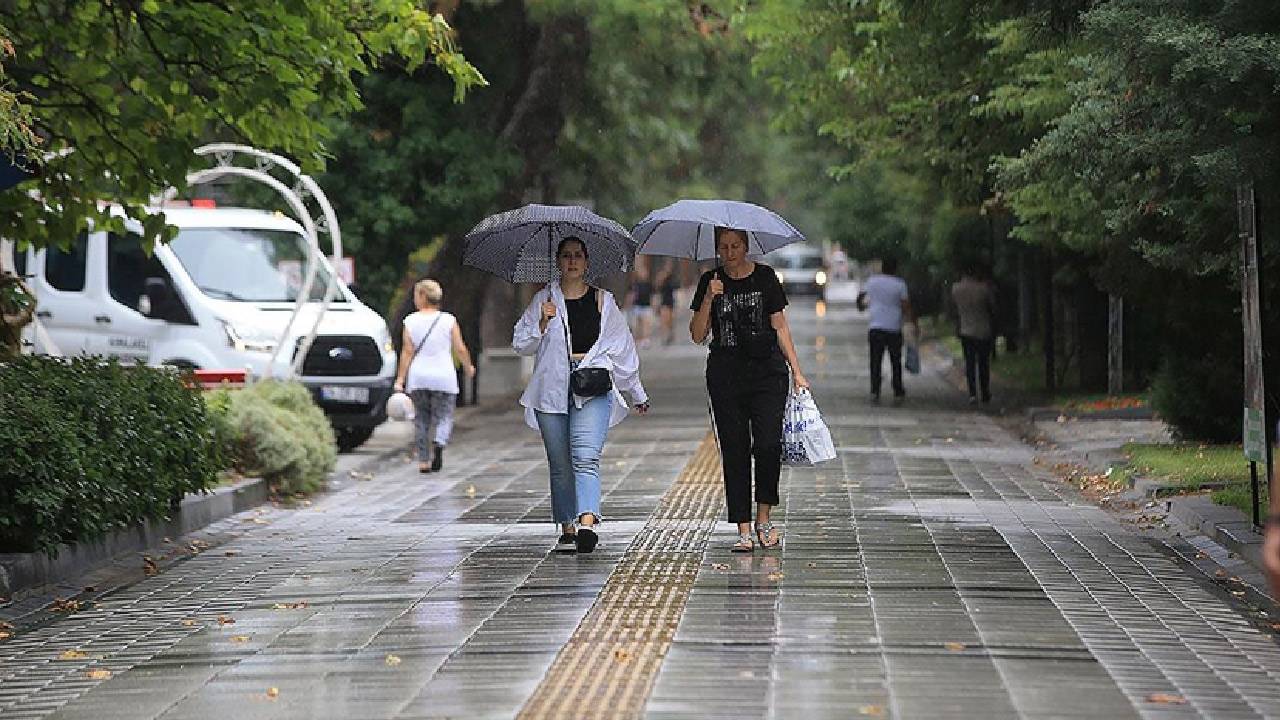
point(432, 420)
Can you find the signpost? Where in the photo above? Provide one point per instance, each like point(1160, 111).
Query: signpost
point(1256, 447)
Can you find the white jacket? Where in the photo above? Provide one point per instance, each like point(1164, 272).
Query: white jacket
point(615, 350)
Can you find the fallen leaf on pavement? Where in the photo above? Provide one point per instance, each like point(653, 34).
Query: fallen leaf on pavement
point(189, 622)
point(61, 605)
point(273, 692)
point(5, 634)
point(1220, 573)
point(621, 655)
point(471, 491)
point(393, 660)
point(231, 553)
point(1166, 699)
point(226, 620)
point(872, 710)
point(720, 566)
point(300, 605)
point(98, 674)
point(239, 638)
point(954, 646)
point(6, 625)
point(71, 655)
point(149, 565)
point(776, 576)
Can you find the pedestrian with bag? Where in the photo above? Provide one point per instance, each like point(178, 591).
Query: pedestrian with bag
point(975, 303)
point(431, 340)
point(741, 304)
point(584, 359)
point(885, 296)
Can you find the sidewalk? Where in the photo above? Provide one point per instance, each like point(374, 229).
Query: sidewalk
point(933, 570)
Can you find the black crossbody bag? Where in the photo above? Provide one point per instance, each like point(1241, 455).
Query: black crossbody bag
point(585, 382)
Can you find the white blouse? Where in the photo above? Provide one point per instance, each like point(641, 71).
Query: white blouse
point(615, 350)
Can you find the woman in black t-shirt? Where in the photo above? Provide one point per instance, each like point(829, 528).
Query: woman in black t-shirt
point(741, 304)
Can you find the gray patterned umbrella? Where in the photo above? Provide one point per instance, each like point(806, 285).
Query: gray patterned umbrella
point(520, 245)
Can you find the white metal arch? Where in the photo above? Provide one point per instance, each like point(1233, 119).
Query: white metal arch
point(225, 156)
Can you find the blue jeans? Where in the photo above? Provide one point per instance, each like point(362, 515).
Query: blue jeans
point(573, 444)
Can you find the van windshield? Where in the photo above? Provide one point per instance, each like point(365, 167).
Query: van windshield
point(248, 264)
point(799, 262)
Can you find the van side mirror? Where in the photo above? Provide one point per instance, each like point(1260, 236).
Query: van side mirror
point(159, 298)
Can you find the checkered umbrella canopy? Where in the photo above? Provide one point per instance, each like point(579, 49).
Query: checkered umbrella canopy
point(520, 245)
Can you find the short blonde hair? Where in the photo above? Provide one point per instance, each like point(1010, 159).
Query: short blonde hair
point(428, 290)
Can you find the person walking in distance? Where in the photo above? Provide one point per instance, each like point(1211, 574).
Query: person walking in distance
point(741, 304)
point(975, 302)
point(431, 339)
point(568, 326)
point(642, 300)
point(668, 279)
point(885, 296)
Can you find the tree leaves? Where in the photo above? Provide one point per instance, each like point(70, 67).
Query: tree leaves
point(122, 110)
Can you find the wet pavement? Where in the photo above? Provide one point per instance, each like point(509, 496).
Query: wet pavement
point(933, 570)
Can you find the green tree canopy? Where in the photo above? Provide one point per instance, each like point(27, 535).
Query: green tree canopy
point(120, 93)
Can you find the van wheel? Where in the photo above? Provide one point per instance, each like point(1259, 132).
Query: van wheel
point(350, 438)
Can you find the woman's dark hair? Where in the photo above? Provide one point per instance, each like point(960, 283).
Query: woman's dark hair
point(721, 231)
point(572, 238)
point(889, 265)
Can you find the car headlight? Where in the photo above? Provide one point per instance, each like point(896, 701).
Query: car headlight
point(820, 277)
point(245, 339)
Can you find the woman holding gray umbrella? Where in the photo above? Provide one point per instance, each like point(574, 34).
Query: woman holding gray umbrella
point(741, 304)
point(585, 357)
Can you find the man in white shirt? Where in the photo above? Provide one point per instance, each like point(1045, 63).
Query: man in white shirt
point(885, 296)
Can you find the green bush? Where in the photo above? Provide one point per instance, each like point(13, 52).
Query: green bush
point(90, 446)
point(1200, 396)
point(273, 430)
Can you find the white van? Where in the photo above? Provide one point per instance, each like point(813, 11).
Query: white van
point(801, 269)
point(217, 296)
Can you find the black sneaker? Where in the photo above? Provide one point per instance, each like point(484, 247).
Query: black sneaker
point(567, 543)
point(586, 540)
point(438, 461)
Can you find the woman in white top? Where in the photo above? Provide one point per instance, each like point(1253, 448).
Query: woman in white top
point(426, 373)
point(573, 325)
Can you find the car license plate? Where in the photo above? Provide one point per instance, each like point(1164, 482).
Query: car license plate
point(344, 394)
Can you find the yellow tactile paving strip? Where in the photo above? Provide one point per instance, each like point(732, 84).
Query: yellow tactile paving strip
point(608, 667)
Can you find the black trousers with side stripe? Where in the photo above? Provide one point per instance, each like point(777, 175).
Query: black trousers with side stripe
point(748, 398)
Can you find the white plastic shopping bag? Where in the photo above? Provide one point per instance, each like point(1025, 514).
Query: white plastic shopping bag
point(805, 438)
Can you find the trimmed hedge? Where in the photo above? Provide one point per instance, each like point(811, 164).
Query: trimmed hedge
point(273, 430)
point(88, 446)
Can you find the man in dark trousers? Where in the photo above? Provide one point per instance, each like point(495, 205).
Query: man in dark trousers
point(885, 296)
point(974, 299)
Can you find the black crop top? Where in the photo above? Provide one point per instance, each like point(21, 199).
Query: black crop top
point(584, 321)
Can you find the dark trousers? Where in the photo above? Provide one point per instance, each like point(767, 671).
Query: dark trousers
point(977, 365)
point(880, 341)
point(747, 399)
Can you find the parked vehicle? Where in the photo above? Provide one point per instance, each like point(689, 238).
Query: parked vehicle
point(218, 296)
point(801, 269)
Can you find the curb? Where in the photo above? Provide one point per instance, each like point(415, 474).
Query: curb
point(1041, 414)
point(24, 571)
point(1226, 526)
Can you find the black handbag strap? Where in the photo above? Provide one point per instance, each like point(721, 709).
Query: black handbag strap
point(423, 341)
